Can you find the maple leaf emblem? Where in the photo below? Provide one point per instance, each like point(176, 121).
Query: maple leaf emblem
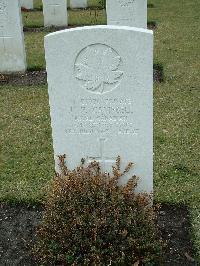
point(97, 66)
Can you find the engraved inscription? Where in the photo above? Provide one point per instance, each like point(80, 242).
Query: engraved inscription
point(128, 14)
point(102, 117)
point(98, 68)
point(126, 3)
point(3, 12)
point(2, 6)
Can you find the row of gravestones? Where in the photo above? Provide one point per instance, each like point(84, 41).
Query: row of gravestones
point(100, 91)
point(55, 12)
point(12, 50)
point(120, 12)
point(28, 4)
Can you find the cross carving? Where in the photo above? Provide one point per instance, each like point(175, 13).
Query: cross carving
point(101, 158)
point(54, 6)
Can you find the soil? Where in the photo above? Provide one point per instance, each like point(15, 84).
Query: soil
point(47, 29)
point(18, 224)
point(17, 229)
point(23, 9)
point(39, 77)
point(174, 225)
point(28, 78)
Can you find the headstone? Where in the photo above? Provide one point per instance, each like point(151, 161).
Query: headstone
point(28, 4)
point(127, 13)
point(12, 50)
point(100, 82)
point(78, 3)
point(55, 12)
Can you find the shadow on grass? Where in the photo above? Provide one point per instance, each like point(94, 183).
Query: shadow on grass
point(158, 72)
point(19, 221)
point(150, 5)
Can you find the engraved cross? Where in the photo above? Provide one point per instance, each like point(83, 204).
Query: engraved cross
point(104, 161)
point(54, 6)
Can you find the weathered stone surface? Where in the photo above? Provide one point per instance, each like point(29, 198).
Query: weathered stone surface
point(28, 4)
point(100, 82)
point(55, 12)
point(127, 13)
point(12, 51)
point(78, 3)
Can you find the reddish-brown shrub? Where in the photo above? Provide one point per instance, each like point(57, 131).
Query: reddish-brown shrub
point(91, 220)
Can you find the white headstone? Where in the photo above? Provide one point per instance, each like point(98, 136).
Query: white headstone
point(12, 50)
point(78, 3)
point(28, 4)
point(55, 12)
point(101, 97)
point(127, 13)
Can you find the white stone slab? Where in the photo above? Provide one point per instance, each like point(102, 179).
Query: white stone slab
point(127, 13)
point(55, 12)
point(100, 82)
point(78, 3)
point(28, 4)
point(12, 51)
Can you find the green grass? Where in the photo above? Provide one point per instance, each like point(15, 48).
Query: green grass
point(37, 3)
point(34, 43)
point(75, 17)
point(87, 17)
point(33, 19)
point(176, 102)
point(91, 3)
point(26, 162)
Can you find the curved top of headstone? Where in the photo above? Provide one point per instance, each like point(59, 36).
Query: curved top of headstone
point(99, 27)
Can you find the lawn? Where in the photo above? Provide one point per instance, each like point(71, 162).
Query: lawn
point(26, 162)
point(91, 3)
point(34, 41)
point(76, 17)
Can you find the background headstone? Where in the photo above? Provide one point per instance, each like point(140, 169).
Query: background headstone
point(28, 4)
point(78, 3)
point(55, 13)
point(12, 50)
point(127, 13)
point(100, 82)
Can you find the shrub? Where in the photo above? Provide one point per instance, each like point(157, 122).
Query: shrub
point(90, 219)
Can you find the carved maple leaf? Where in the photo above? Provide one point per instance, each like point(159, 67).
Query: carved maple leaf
point(98, 66)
